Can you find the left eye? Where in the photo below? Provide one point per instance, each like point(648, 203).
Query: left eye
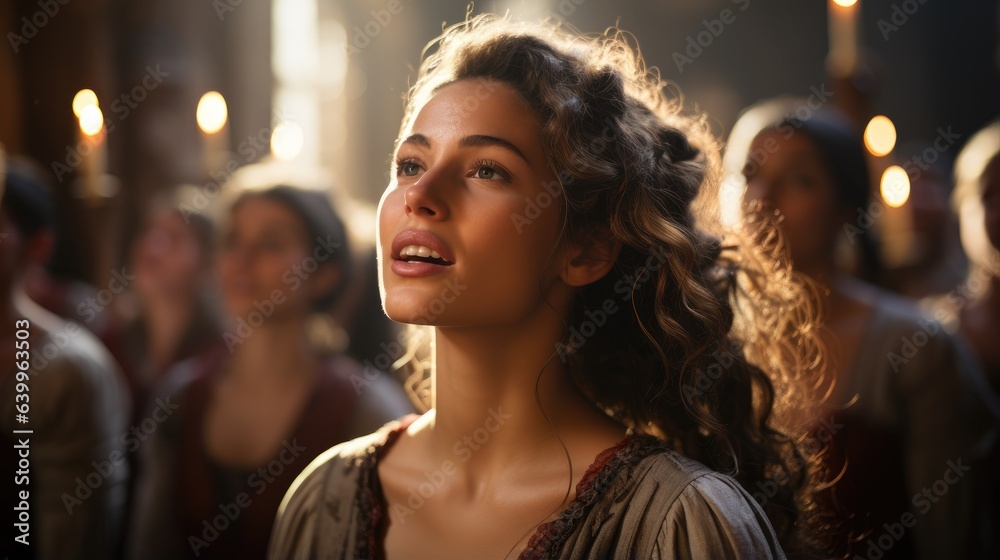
point(486, 173)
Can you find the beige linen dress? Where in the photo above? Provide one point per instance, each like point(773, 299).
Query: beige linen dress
point(638, 500)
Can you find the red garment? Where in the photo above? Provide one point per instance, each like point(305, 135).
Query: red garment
point(227, 513)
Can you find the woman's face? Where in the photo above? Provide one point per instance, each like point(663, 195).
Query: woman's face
point(167, 258)
point(265, 260)
point(469, 183)
point(786, 172)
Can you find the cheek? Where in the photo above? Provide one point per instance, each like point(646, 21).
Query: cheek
point(809, 224)
point(508, 259)
point(273, 268)
point(223, 268)
point(808, 213)
point(504, 238)
point(389, 218)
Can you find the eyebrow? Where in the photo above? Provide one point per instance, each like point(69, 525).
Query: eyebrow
point(472, 141)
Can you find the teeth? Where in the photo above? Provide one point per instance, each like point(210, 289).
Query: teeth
point(419, 251)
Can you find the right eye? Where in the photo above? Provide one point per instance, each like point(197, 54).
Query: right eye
point(407, 167)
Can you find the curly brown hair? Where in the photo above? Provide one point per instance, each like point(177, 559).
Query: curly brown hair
point(718, 350)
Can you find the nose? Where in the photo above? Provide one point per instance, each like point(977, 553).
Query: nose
point(238, 255)
point(423, 198)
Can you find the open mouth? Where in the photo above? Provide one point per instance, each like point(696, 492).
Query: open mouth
point(419, 253)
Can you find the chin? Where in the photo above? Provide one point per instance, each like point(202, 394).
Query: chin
point(410, 311)
point(239, 307)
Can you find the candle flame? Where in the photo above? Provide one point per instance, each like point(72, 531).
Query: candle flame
point(84, 98)
point(287, 141)
point(212, 112)
point(895, 186)
point(880, 135)
point(91, 120)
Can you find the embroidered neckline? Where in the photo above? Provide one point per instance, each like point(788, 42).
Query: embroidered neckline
point(614, 463)
point(370, 499)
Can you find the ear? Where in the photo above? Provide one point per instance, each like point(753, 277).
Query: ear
point(588, 260)
point(324, 280)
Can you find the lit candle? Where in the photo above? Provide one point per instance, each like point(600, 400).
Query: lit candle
point(880, 136)
point(212, 116)
point(843, 31)
point(286, 141)
point(92, 146)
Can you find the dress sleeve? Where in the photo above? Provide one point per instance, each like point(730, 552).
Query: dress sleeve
point(713, 517)
point(330, 509)
point(318, 517)
point(295, 526)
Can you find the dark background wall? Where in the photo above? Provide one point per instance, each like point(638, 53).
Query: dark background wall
point(937, 66)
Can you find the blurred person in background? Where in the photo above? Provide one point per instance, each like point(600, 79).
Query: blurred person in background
point(168, 315)
point(253, 413)
point(78, 404)
point(905, 410)
point(935, 263)
point(976, 303)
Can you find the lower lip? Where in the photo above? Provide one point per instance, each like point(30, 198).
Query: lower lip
point(416, 269)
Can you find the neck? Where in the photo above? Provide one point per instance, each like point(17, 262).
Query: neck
point(275, 352)
point(168, 306)
point(487, 377)
point(167, 320)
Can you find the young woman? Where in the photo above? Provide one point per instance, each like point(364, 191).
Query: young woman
point(589, 395)
point(908, 406)
point(978, 301)
point(170, 318)
point(252, 414)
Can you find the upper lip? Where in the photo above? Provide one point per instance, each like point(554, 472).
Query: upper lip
point(421, 237)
